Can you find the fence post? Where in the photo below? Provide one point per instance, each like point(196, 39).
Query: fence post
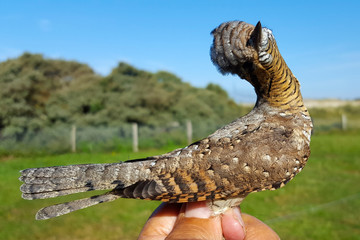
point(73, 138)
point(343, 122)
point(135, 137)
point(189, 131)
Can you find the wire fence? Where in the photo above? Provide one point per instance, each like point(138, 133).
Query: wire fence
point(342, 123)
point(70, 138)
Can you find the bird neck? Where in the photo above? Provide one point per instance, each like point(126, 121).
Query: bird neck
point(282, 89)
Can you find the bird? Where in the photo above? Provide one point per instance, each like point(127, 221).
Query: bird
point(262, 150)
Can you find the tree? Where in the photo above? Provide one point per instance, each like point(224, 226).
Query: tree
point(36, 92)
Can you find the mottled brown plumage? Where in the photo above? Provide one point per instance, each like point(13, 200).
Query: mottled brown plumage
point(262, 150)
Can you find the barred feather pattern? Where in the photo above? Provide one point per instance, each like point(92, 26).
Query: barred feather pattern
point(260, 151)
point(252, 53)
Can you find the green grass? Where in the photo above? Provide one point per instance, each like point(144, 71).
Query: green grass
point(322, 202)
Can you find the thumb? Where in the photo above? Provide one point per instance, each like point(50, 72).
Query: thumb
point(233, 226)
point(256, 229)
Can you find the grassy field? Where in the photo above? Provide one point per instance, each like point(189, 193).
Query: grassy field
point(323, 202)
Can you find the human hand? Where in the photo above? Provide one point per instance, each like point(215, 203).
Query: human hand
point(194, 221)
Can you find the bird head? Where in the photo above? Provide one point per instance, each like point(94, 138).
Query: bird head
point(243, 49)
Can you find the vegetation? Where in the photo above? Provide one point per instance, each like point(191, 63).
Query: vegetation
point(320, 203)
point(41, 98)
point(36, 93)
point(329, 119)
point(27, 87)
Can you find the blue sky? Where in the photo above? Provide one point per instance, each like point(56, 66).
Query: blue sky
point(318, 39)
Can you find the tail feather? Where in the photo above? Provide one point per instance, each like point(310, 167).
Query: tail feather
point(65, 208)
point(91, 176)
point(126, 179)
point(51, 182)
point(30, 195)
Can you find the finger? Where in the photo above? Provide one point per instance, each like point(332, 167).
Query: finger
point(161, 222)
point(196, 222)
point(256, 229)
point(233, 225)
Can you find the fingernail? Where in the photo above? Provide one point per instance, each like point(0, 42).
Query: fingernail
point(237, 216)
point(197, 210)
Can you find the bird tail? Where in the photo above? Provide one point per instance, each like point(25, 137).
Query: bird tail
point(65, 208)
point(50, 182)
